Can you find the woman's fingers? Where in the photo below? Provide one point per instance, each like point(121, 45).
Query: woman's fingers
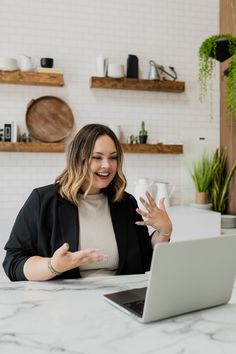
point(151, 200)
point(150, 203)
point(145, 203)
point(61, 251)
point(162, 204)
point(140, 223)
point(142, 212)
point(91, 255)
point(65, 260)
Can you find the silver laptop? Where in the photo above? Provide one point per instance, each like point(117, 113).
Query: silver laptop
point(185, 276)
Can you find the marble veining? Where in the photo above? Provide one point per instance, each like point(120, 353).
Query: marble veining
point(71, 316)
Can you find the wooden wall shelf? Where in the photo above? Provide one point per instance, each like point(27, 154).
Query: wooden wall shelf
point(60, 147)
point(137, 84)
point(31, 147)
point(152, 148)
point(31, 78)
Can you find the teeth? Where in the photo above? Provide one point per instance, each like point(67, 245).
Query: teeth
point(103, 174)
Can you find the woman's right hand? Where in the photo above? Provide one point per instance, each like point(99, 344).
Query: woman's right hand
point(63, 260)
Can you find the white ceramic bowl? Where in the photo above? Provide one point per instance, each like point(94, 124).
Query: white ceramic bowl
point(116, 70)
point(201, 206)
point(8, 64)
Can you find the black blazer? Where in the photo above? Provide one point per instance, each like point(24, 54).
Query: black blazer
point(47, 220)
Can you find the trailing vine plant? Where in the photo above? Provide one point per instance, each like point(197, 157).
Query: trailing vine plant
point(231, 87)
point(207, 63)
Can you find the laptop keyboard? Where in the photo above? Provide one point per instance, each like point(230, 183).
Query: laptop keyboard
point(135, 307)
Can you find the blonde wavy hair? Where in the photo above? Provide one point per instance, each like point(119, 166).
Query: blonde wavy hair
point(78, 170)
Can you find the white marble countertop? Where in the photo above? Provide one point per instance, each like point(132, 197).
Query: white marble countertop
point(71, 316)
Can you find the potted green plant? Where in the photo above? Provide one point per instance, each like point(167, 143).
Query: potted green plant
point(201, 173)
point(218, 47)
point(143, 134)
point(221, 179)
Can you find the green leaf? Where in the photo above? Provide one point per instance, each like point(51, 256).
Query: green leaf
point(219, 188)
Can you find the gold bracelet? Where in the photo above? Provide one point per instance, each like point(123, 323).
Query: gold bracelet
point(52, 270)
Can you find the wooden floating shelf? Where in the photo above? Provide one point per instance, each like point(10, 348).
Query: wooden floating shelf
point(31, 78)
point(137, 84)
point(152, 148)
point(31, 147)
point(59, 147)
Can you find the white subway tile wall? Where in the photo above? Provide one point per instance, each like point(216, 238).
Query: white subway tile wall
point(75, 33)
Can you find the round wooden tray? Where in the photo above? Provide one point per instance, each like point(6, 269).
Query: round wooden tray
point(49, 119)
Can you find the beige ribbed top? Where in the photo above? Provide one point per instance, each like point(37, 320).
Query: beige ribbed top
point(96, 230)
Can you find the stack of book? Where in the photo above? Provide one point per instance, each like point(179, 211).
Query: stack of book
point(49, 70)
point(9, 132)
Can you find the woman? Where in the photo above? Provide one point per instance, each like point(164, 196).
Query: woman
point(85, 224)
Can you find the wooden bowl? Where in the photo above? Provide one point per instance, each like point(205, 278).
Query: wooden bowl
point(49, 119)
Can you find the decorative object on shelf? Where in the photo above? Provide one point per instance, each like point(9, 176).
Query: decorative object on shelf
point(25, 63)
point(7, 132)
point(202, 173)
point(49, 119)
point(48, 70)
point(168, 75)
point(218, 47)
point(102, 65)
point(25, 138)
point(132, 67)
point(10, 131)
point(46, 62)
point(158, 72)
point(116, 71)
point(132, 139)
point(153, 73)
point(219, 187)
point(143, 134)
point(8, 64)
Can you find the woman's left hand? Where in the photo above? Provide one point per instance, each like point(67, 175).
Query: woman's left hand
point(155, 216)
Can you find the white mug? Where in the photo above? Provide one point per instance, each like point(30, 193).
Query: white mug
point(116, 70)
point(25, 63)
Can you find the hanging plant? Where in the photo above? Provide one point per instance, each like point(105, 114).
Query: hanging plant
point(218, 47)
point(231, 86)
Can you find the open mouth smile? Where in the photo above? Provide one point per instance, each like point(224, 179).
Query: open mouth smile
point(103, 174)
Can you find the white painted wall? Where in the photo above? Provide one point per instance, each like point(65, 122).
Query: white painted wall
point(75, 32)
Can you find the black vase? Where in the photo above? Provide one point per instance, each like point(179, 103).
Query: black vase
point(143, 139)
point(222, 50)
point(132, 66)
